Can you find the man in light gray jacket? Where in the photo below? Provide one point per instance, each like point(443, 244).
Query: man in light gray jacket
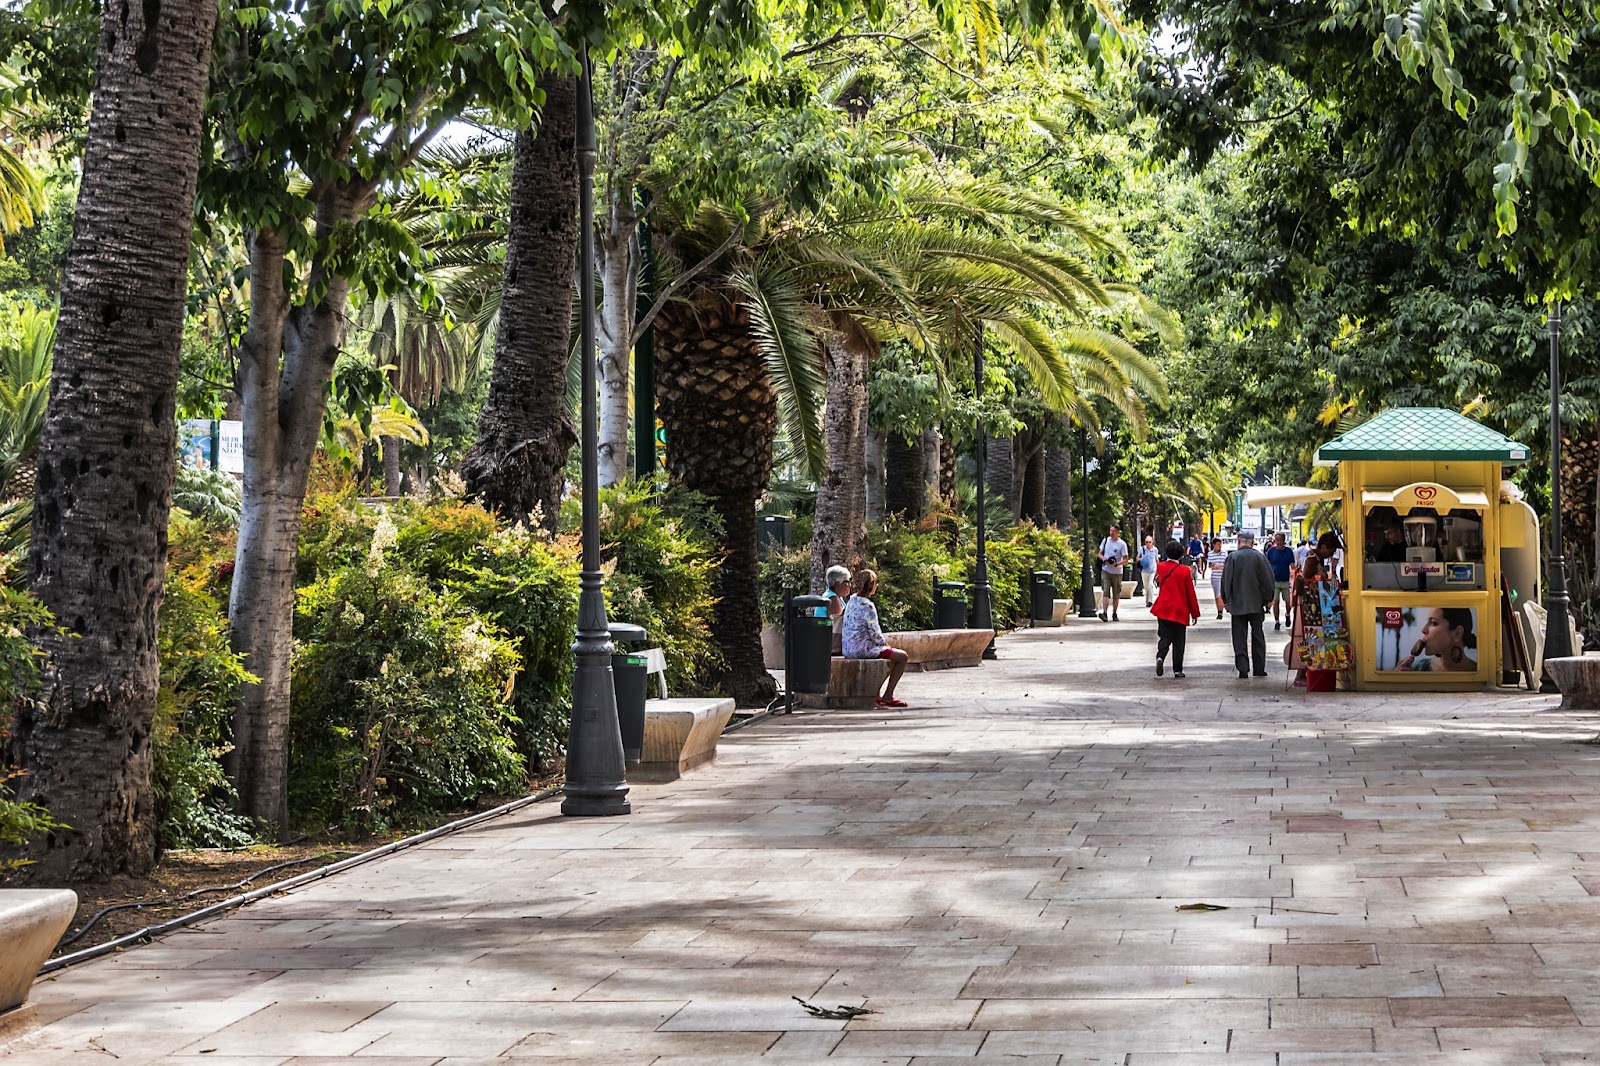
point(1247, 589)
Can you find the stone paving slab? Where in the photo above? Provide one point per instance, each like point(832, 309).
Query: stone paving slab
point(997, 873)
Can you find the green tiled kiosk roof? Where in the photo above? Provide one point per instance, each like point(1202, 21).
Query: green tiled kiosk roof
point(1423, 433)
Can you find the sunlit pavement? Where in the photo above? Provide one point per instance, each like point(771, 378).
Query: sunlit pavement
point(1000, 874)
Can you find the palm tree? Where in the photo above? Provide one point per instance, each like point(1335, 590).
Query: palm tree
point(770, 306)
point(525, 428)
point(98, 551)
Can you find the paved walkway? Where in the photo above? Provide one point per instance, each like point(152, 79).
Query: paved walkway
point(1001, 874)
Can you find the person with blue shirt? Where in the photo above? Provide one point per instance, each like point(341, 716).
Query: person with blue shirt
point(838, 580)
point(1149, 556)
point(1282, 558)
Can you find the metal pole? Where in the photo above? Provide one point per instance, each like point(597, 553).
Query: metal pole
point(1086, 607)
point(982, 612)
point(596, 779)
point(1558, 628)
point(644, 359)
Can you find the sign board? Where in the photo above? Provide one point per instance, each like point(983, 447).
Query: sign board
point(217, 445)
point(1460, 574)
point(1409, 639)
point(1422, 569)
point(1393, 618)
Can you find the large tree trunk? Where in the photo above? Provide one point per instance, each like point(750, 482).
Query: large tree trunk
point(1058, 485)
point(931, 449)
point(839, 534)
point(516, 466)
point(105, 460)
point(391, 466)
point(284, 402)
point(619, 279)
point(877, 463)
point(720, 412)
point(1033, 489)
point(947, 466)
point(1000, 474)
point(905, 492)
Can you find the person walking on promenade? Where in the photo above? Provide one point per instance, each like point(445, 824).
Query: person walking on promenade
point(1148, 558)
point(1176, 608)
point(1113, 553)
point(1215, 560)
point(1281, 556)
point(1247, 588)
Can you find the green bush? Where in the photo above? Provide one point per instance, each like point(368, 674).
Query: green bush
point(1013, 554)
point(402, 697)
point(781, 569)
point(200, 679)
point(660, 553)
point(19, 680)
point(908, 560)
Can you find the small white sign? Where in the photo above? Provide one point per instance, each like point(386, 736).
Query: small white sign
point(230, 446)
point(1422, 569)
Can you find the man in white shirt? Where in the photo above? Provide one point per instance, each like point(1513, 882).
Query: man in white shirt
point(1113, 554)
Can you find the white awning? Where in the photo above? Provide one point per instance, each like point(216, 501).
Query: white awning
point(1286, 495)
point(1425, 494)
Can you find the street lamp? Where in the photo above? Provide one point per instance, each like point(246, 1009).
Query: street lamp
point(982, 612)
point(1086, 607)
point(596, 779)
point(1558, 627)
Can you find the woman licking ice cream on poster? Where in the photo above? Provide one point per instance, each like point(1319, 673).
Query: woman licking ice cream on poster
point(1447, 642)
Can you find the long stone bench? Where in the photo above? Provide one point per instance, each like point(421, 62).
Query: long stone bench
point(679, 735)
point(31, 922)
point(1060, 611)
point(1578, 678)
point(941, 649)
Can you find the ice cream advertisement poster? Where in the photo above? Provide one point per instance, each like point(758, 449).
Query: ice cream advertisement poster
point(1412, 639)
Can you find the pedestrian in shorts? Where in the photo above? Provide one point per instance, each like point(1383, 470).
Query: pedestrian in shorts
point(1113, 554)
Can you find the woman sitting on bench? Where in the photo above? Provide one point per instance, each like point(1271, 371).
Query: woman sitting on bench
point(863, 638)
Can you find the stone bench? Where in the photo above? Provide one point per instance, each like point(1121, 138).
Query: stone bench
point(679, 735)
point(853, 684)
point(31, 922)
point(940, 649)
point(1578, 678)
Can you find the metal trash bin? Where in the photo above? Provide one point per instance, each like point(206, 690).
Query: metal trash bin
point(630, 678)
point(949, 605)
point(810, 645)
point(1043, 595)
point(771, 529)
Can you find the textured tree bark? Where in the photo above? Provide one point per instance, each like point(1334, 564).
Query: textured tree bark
point(105, 460)
point(930, 446)
point(1000, 474)
point(391, 466)
point(619, 280)
point(1058, 485)
point(1033, 489)
point(721, 417)
point(284, 401)
point(525, 431)
point(839, 534)
point(947, 466)
point(877, 459)
point(905, 492)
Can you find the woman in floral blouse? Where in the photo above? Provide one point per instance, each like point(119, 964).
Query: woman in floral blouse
point(863, 639)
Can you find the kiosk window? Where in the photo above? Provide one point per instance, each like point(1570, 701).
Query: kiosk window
point(1423, 550)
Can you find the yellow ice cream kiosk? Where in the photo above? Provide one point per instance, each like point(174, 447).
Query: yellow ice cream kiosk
point(1439, 550)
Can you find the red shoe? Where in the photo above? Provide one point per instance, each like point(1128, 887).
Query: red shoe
point(893, 703)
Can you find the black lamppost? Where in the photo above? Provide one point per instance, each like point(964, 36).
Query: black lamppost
point(982, 612)
point(1086, 608)
point(1558, 627)
point(596, 778)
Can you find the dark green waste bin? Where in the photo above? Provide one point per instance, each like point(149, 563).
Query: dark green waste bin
point(810, 644)
point(1044, 595)
point(630, 677)
point(949, 605)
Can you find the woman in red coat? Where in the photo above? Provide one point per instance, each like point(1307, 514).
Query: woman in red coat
point(1176, 608)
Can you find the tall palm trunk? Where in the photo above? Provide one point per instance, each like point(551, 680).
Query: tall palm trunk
point(877, 465)
point(720, 412)
point(947, 465)
point(1058, 485)
point(105, 468)
point(839, 534)
point(931, 447)
point(905, 490)
point(1000, 473)
point(525, 429)
point(618, 248)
